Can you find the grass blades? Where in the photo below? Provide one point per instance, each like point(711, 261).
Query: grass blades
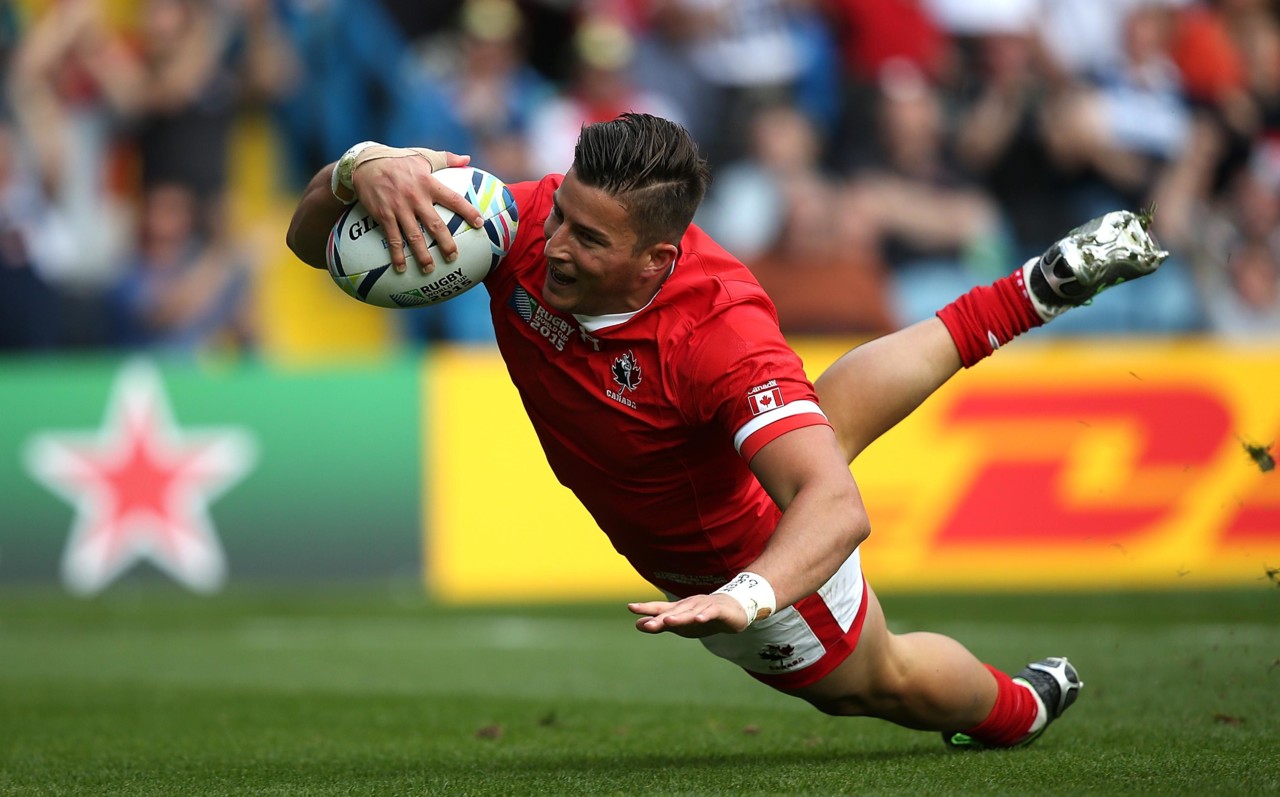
point(371, 690)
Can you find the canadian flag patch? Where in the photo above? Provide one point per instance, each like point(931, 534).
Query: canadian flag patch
point(765, 400)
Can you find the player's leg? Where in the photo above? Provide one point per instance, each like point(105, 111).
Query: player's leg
point(875, 385)
point(928, 681)
point(920, 680)
point(871, 388)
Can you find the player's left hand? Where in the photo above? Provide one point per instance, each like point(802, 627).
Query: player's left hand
point(693, 617)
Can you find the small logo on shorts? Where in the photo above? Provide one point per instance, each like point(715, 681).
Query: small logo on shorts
point(781, 657)
point(772, 652)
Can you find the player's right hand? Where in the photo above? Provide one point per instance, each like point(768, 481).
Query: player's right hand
point(693, 617)
point(400, 192)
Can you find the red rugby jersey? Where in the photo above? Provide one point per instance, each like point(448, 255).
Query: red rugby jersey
point(651, 421)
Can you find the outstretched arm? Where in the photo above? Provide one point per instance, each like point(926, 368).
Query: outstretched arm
point(823, 520)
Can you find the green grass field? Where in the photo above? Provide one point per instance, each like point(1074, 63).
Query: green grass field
point(372, 691)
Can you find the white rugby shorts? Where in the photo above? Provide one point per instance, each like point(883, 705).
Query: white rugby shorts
point(797, 646)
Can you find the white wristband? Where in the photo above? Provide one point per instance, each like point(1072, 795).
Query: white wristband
point(343, 170)
point(343, 174)
point(754, 593)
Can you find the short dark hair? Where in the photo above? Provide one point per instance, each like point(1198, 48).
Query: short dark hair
point(649, 164)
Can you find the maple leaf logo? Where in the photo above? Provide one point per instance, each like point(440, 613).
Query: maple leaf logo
point(626, 371)
point(772, 652)
point(141, 487)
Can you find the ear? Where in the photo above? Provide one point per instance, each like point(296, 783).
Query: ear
point(660, 257)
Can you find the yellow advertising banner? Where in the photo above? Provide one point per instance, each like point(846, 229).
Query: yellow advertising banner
point(1093, 465)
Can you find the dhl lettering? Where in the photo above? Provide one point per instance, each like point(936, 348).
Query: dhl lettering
point(1018, 495)
point(1255, 523)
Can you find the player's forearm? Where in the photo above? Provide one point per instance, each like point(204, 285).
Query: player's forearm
point(823, 519)
point(819, 530)
point(314, 217)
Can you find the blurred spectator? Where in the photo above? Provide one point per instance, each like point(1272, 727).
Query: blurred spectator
point(1245, 305)
point(1082, 38)
point(966, 18)
point(601, 89)
point(1232, 237)
point(1003, 139)
point(1234, 242)
point(65, 86)
point(1208, 49)
point(872, 35)
point(202, 64)
point(194, 66)
point(720, 60)
point(872, 157)
point(1211, 63)
point(84, 92)
point(349, 54)
point(759, 202)
point(182, 292)
point(31, 235)
point(1135, 120)
point(795, 226)
point(1055, 152)
point(471, 90)
point(939, 234)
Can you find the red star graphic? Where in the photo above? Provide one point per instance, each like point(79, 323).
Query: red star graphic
point(141, 487)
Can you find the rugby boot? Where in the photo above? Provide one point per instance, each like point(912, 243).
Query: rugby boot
point(1106, 251)
point(1057, 685)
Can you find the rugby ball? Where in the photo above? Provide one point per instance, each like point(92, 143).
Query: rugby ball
point(360, 262)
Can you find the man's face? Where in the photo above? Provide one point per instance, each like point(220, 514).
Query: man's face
point(592, 265)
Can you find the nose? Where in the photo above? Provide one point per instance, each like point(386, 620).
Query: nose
point(555, 246)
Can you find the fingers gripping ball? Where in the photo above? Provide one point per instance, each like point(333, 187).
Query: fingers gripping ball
point(360, 261)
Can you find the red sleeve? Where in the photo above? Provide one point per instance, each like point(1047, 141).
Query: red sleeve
point(533, 204)
point(745, 379)
point(529, 196)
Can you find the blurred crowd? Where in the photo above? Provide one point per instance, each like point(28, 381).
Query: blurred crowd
point(872, 158)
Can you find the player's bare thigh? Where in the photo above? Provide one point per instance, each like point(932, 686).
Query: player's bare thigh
point(874, 386)
point(851, 688)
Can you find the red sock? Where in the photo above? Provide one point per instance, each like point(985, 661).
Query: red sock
point(989, 316)
point(1011, 717)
